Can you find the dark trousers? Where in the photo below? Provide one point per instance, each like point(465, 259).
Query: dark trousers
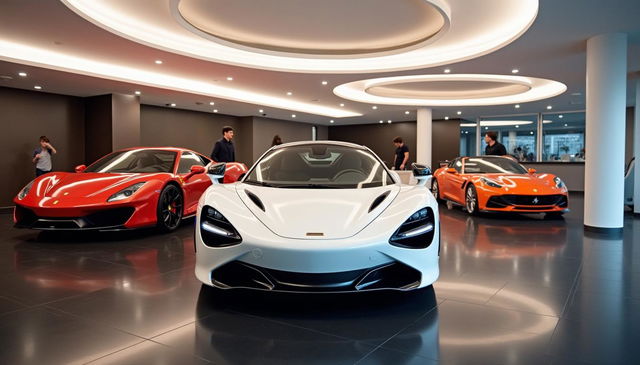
point(41, 172)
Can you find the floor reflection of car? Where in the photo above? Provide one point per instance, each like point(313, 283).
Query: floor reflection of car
point(76, 273)
point(499, 184)
point(493, 239)
point(131, 188)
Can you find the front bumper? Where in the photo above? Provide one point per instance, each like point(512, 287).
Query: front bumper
point(102, 220)
point(527, 203)
point(265, 261)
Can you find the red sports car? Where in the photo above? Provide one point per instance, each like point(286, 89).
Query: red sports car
point(131, 188)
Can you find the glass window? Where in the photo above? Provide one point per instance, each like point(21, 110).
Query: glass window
point(135, 161)
point(517, 133)
point(187, 160)
point(468, 139)
point(319, 166)
point(563, 136)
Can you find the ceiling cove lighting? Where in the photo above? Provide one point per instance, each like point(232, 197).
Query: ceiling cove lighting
point(391, 91)
point(15, 52)
point(460, 38)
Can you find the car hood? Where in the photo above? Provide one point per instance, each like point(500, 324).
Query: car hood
point(85, 185)
point(316, 213)
point(537, 183)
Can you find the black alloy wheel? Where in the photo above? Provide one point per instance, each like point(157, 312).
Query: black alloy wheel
point(170, 208)
point(435, 189)
point(471, 200)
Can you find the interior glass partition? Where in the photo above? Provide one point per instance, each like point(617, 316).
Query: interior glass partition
point(467, 138)
point(563, 136)
point(518, 134)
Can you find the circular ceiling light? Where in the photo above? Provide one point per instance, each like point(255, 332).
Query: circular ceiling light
point(290, 35)
point(450, 90)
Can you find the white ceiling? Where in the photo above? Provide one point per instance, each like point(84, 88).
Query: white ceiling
point(553, 48)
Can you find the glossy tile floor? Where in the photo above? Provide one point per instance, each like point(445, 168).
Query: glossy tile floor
point(513, 290)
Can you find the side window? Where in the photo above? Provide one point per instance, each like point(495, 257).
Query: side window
point(204, 160)
point(458, 165)
point(187, 160)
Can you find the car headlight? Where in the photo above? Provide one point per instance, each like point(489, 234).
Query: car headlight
point(491, 183)
point(417, 231)
point(125, 193)
point(559, 182)
point(216, 230)
point(23, 193)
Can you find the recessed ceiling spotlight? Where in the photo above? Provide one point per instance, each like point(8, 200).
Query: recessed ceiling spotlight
point(261, 111)
point(229, 78)
point(486, 127)
point(212, 103)
point(389, 121)
point(447, 70)
point(293, 115)
point(560, 116)
point(37, 87)
point(517, 106)
point(374, 107)
point(331, 121)
point(382, 121)
point(137, 92)
point(289, 93)
point(407, 112)
point(549, 107)
point(531, 132)
point(324, 82)
point(566, 125)
point(515, 71)
point(173, 104)
point(22, 74)
point(341, 104)
point(517, 126)
point(446, 118)
point(459, 112)
point(215, 110)
point(158, 62)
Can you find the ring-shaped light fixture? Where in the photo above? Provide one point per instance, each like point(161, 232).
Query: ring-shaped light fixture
point(523, 89)
point(470, 29)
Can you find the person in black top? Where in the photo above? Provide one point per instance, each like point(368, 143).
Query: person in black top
point(223, 150)
point(493, 146)
point(402, 154)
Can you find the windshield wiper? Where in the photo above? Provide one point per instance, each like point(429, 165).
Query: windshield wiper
point(259, 183)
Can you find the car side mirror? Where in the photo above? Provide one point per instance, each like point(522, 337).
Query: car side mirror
point(81, 168)
point(532, 171)
point(216, 171)
point(451, 170)
point(195, 170)
point(422, 173)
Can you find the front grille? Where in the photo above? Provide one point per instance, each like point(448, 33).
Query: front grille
point(238, 274)
point(531, 202)
point(117, 217)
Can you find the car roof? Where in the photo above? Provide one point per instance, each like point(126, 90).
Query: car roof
point(335, 143)
point(173, 149)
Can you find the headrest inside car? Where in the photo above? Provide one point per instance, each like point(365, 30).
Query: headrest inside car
point(319, 152)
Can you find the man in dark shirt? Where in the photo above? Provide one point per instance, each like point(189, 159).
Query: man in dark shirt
point(223, 150)
point(402, 154)
point(493, 146)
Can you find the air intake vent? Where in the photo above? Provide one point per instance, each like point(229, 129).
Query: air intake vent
point(254, 198)
point(378, 200)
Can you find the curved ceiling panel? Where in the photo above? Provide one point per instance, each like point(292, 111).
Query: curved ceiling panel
point(450, 90)
point(330, 36)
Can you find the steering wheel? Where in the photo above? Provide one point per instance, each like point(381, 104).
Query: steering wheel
point(341, 173)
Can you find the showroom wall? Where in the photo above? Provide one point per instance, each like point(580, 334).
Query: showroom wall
point(25, 116)
point(265, 128)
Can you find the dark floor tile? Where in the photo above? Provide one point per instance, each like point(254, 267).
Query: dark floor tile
point(145, 307)
point(41, 336)
point(149, 353)
point(597, 342)
point(533, 299)
point(229, 338)
point(382, 356)
point(611, 308)
point(9, 305)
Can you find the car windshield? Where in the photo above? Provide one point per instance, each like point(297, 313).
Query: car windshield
point(492, 165)
point(135, 161)
point(319, 166)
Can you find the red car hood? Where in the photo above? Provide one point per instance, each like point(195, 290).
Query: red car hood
point(85, 185)
point(524, 183)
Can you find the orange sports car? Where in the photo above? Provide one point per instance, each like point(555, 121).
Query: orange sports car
point(500, 184)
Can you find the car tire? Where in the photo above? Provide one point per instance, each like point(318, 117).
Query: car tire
point(170, 208)
point(471, 200)
point(435, 190)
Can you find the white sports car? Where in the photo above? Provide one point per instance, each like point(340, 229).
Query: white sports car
point(318, 216)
